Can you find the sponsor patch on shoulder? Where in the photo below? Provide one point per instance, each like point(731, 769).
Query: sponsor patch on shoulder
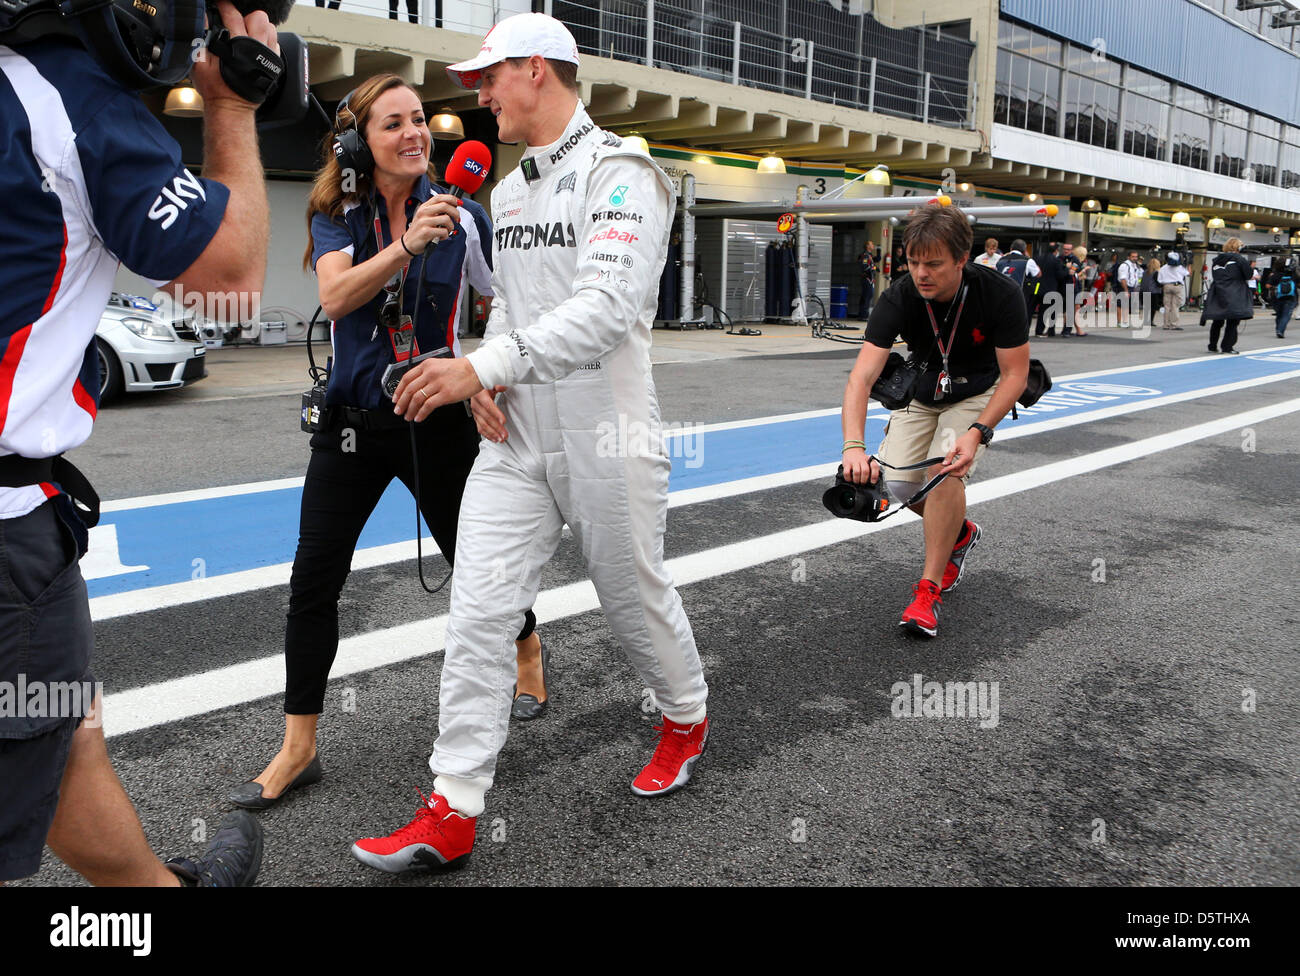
point(567, 182)
point(612, 139)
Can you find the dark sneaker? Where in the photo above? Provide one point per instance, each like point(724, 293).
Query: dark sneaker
point(680, 747)
point(922, 614)
point(438, 837)
point(232, 860)
point(970, 534)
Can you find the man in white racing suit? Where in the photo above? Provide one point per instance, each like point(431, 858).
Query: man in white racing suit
point(581, 230)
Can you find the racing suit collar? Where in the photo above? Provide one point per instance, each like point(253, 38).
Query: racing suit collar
point(538, 162)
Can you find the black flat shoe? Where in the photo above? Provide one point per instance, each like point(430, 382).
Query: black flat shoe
point(526, 708)
point(249, 795)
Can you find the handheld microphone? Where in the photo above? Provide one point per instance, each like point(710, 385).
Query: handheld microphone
point(469, 167)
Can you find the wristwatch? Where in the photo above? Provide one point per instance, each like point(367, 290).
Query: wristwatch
point(986, 433)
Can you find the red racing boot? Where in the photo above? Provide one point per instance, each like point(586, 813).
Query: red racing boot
point(675, 756)
point(438, 837)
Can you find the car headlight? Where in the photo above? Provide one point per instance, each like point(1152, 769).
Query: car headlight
point(149, 329)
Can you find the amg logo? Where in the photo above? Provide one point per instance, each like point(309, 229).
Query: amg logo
point(184, 187)
point(148, 8)
point(616, 215)
point(572, 141)
point(526, 236)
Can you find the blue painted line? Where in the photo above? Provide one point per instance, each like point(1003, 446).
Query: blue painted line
point(226, 535)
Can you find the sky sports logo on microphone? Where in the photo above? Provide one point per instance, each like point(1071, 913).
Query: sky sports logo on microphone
point(473, 165)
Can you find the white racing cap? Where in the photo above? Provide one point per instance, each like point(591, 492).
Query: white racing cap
point(520, 36)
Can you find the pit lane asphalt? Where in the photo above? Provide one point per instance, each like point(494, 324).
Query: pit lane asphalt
point(1120, 702)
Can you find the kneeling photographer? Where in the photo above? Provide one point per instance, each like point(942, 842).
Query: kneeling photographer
point(392, 255)
point(967, 331)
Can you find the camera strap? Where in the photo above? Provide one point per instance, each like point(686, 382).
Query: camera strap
point(944, 386)
point(928, 487)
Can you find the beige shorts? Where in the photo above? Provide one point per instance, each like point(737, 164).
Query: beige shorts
point(920, 431)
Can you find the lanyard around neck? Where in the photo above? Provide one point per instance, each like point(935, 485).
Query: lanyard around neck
point(950, 323)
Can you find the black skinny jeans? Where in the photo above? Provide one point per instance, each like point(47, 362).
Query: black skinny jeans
point(340, 491)
point(1229, 334)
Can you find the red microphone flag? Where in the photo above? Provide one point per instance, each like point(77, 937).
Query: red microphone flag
point(469, 167)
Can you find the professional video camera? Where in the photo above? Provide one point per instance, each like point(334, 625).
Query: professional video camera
point(153, 44)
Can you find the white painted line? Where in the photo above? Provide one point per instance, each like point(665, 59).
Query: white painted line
point(238, 684)
point(229, 584)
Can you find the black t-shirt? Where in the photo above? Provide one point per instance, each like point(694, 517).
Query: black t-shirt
point(993, 318)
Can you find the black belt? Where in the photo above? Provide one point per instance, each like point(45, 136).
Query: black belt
point(381, 419)
point(18, 472)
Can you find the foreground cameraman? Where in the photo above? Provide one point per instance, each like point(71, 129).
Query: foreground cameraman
point(969, 326)
point(85, 173)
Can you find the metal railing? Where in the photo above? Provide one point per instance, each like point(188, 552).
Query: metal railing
point(806, 48)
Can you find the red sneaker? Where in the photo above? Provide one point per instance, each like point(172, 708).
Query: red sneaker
point(970, 534)
point(922, 615)
point(438, 837)
point(670, 768)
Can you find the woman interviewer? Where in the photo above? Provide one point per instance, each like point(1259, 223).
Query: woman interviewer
point(369, 224)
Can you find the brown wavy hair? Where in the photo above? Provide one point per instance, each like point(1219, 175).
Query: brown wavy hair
point(327, 195)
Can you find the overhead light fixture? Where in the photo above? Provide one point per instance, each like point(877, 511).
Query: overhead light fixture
point(1031, 198)
point(638, 141)
point(1181, 217)
point(771, 164)
point(1277, 230)
point(446, 125)
point(1214, 223)
point(1092, 204)
point(184, 102)
point(878, 174)
point(964, 187)
point(700, 158)
point(1140, 212)
point(1248, 226)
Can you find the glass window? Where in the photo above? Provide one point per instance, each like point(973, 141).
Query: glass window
point(1078, 108)
point(1002, 96)
point(1191, 139)
point(1141, 83)
point(1105, 119)
point(1290, 176)
point(1044, 48)
point(1263, 159)
point(1265, 126)
point(1190, 98)
point(1019, 92)
point(1229, 150)
point(1144, 126)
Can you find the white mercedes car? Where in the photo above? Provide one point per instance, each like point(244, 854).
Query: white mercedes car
point(143, 349)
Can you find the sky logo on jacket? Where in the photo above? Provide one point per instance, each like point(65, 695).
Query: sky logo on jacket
point(184, 187)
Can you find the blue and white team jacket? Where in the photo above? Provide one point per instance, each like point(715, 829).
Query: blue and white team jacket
point(88, 179)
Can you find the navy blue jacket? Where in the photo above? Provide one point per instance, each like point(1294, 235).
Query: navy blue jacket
point(362, 349)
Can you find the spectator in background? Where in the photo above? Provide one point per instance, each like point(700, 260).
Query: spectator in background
point(1283, 286)
point(1071, 262)
point(1256, 285)
point(412, 10)
point(1086, 280)
point(991, 255)
point(1171, 276)
point(899, 266)
point(1051, 296)
point(1229, 300)
point(1149, 292)
point(1128, 278)
point(867, 269)
point(1024, 270)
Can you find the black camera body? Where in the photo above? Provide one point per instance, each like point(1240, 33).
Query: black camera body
point(865, 503)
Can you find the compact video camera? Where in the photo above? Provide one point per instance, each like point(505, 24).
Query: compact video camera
point(866, 503)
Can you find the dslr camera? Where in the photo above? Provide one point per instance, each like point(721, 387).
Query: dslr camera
point(865, 503)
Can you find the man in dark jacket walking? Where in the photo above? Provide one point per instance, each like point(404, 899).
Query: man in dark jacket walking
point(1283, 288)
point(1230, 296)
point(1052, 297)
